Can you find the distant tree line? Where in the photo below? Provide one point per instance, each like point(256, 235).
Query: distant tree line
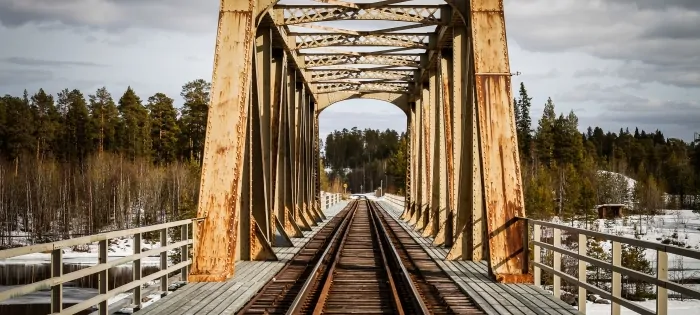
point(366, 159)
point(73, 164)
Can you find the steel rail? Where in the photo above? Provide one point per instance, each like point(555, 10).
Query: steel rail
point(329, 278)
point(296, 305)
point(414, 290)
point(390, 276)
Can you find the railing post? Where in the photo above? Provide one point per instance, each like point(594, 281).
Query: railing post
point(57, 271)
point(582, 265)
point(537, 236)
point(557, 263)
point(184, 254)
point(661, 274)
point(526, 246)
point(137, 271)
point(616, 278)
point(103, 276)
point(164, 261)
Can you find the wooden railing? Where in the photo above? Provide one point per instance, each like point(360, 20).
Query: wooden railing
point(329, 199)
point(58, 278)
point(659, 280)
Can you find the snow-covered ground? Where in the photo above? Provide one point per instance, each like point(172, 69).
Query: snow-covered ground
point(87, 255)
point(675, 307)
point(680, 226)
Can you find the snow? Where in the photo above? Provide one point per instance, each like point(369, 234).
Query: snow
point(631, 183)
point(87, 255)
point(684, 223)
point(675, 307)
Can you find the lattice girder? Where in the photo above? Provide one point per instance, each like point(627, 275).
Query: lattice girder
point(398, 75)
point(417, 41)
point(338, 59)
point(296, 14)
point(363, 87)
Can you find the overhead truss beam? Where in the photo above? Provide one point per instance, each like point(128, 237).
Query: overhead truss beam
point(296, 14)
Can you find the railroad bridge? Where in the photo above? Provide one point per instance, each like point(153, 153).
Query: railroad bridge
point(267, 239)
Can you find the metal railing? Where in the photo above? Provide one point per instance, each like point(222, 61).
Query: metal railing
point(659, 280)
point(58, 278)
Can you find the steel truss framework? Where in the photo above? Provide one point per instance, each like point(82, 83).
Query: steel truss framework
point(259, 185)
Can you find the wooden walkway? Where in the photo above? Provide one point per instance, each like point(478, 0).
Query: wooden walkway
point(228, 297)
point(492, 297)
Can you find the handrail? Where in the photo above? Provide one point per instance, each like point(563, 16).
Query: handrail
point(660, 280)
point(102, 267)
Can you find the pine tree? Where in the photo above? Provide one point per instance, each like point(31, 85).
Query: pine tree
point(545, 134)
point(194, 118)
point(134, 127)
point(46, 119)
point(105, 119)
point(77, 126)
point(164, 128)
point(523, 121)
point(18, 128)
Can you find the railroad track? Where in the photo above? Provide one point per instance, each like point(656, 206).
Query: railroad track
point(362, 264)
point(278, 294)
point(436, 288)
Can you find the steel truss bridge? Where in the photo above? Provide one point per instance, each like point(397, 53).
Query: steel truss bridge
point(264, 227)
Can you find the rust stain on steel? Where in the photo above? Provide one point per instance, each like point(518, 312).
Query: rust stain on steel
point(219, 187)
point(500, 162)
point(447, 116)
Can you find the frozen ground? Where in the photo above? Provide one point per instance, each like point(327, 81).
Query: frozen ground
point(675, 307)
point(87, 255)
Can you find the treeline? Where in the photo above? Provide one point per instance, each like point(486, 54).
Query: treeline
point(564, 170)
point(72, 164)
point(366, 159)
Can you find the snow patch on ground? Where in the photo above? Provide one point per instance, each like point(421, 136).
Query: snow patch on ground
point(87, 254)
point(675, 307)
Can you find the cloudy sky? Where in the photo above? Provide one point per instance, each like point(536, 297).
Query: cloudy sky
point(616, 63)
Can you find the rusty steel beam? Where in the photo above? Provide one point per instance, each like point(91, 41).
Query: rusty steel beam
point(222, 167)
point(296, 14)
point(325, 75)
point(500, 160)
point(318, 60)
point(317, 40)
point(444, 233)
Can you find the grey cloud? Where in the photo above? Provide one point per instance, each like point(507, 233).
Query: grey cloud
point(675, 114)
point(661, 36)
point(22, 61)
point(594, 92)
point(13, 77)
point(617, 107)
point(591, 72)
point(113, 15)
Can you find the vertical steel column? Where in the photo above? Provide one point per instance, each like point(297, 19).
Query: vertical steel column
point(222, 166)
point(470, 226)
point(500, 162)
point(446, 160)
point(418, 157)
point(260, 132)
point(433, 148)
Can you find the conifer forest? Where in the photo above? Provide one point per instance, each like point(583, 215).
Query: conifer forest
point(83, 162)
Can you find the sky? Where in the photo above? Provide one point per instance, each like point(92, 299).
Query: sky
point(615, 63)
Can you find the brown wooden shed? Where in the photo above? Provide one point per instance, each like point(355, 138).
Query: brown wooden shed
point(610, 211)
